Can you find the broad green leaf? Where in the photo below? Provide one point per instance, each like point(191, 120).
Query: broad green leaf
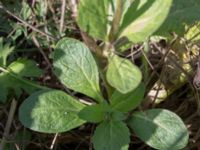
point(25, 68)
point(5, 51)
point(50, 111)
point(95, 113)
point(122, 74)
point(128, 101)
point(160, 129)
point(76, 68)
point(93, 17)
point(143, 18)
point(111, 135)
point(181, 13)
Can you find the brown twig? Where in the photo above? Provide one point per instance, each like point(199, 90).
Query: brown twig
point(37, 44)
point(62, 18)
point(73, 4)
point(8, 123)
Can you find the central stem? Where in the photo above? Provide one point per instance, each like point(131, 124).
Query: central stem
point(116, 21)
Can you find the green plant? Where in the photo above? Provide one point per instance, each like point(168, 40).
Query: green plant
point(117, 24)
point(13, 75)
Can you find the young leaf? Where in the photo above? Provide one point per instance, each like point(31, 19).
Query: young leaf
point(25, 11)
point(122, 74)
point(5, 51)
point(93, 17)
point(100, 112)
point(25, 68)
point(95, 113)
point(76, 68)
point(143, 18)
point(111, 135)
point(160, 129)
point(50, 111)
point(128, 101)
point(181, 13)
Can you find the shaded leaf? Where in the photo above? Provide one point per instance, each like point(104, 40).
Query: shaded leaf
point(181, 13)
point(22, 139)
point(122, 74)
point(93, 17)
point(111, 135)
point(76, 68)
point(128, 101)
point(12, 79)
point(95, 113)
point(100, 112)
point(50, 111)
point(160, 129)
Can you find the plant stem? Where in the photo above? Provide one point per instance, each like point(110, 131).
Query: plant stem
point(23, 80)
point(116, 21)
point(8, 123)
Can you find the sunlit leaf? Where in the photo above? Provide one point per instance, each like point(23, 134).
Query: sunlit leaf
point(50, 111)
point(122, 74)
point(143, 18)
point(25, 68)
point(76, 68)
point(160, 129)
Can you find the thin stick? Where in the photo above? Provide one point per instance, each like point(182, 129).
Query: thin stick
point(73, 8)
point(26, 23)
point(37, 44)
point(54, 141)
point(146, 58)
point(8, 123)
point(62, 18)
